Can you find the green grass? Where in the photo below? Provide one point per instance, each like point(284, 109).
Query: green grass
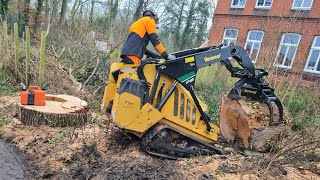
point(211, 83)
point(6, 81)
point(304, 108)
point(94, 103)
point(4, 121)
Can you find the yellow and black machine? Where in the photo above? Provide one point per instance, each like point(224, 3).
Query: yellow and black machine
point(156, 100)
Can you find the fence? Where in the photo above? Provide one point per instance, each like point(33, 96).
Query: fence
point(27, 40)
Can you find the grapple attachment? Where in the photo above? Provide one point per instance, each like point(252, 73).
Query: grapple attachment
point(257, 89)
point(252, 83)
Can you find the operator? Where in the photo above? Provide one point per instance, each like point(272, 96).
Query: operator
point(141, 32)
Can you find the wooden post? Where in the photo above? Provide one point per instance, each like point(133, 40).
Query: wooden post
point(16, 52)
point(5, 40)
point(42, 58)
point(28, 59)
point(1, 55)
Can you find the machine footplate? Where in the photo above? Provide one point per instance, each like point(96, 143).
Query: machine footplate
point(165, 141)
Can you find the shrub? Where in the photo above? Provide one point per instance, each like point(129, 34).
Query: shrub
point(304, 108)
point(6, 82)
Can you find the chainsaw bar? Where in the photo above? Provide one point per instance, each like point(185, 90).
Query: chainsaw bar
point(165, 141)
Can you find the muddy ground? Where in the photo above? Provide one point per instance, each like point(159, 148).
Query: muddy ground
point(12, 164)
point(101, 151)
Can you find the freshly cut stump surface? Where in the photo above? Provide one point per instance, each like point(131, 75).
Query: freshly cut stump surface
point(59, 111)
point(249, 120)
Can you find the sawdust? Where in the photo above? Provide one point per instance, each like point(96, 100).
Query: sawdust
point(99, 151)
point(8, 100)
point(294, 173)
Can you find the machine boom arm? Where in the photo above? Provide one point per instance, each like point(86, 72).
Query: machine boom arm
point(184, 69)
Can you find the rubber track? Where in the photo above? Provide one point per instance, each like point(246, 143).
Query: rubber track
point(168, 152)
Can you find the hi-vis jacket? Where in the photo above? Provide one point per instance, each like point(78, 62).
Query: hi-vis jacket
point(141, 32)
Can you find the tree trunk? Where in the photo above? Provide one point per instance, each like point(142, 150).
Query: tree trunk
point(39, 7)
point(74, 7)
point(80, 12)
point(54, 11)
point(74, 10)
point(38, 12)
point(26, 11)
point(138, 11)
point(18, 10)
point(201, 31)
point(177, 31)
point(63, 11)
point(203, 10)
point(114, 11)
point(185, 41)
point(91, 11)
point(46, 15)
point(248, 120)
point(59, 111)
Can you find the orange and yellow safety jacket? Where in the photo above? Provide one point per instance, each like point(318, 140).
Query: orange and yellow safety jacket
point(141, 32)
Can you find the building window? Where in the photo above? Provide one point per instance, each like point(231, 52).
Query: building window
point(313, 62)
point(253, 43)
point(287, 50)
point(238, 3)
point(302, 4)
point(230, 37)
point(263, 4)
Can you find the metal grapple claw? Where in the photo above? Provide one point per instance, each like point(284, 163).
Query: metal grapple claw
point(257, 89)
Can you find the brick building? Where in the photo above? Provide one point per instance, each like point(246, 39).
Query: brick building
point(282, 36)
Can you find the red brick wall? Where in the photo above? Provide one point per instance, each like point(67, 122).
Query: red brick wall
point(274, 23)
point(278, 8)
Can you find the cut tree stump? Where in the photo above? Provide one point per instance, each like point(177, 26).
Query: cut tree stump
point(59, 111)
point(249, 120)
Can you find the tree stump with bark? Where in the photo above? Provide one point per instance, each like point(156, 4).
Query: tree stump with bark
point(249, 120)
point(59, 111)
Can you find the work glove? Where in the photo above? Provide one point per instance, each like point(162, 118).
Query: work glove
point(171, 56)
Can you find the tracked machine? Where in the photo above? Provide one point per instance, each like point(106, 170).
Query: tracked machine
point(156, 100)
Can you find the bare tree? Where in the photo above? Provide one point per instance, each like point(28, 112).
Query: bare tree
point(138, 11)
point(80, 11)
point(91, 11)
point(63, 11)
point(46, 9)
point(114, 11)
point(188, 28)
point(54, 12)
point(26, 12)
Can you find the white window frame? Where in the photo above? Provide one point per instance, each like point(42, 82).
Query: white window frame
point(294, 55)
point(224, 34)
point(238, 6)
point(313, 47)
point(263, 7)
point(301, 8)
point(254, 41)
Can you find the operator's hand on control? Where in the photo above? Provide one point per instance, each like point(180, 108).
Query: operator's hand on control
point(170, 57)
